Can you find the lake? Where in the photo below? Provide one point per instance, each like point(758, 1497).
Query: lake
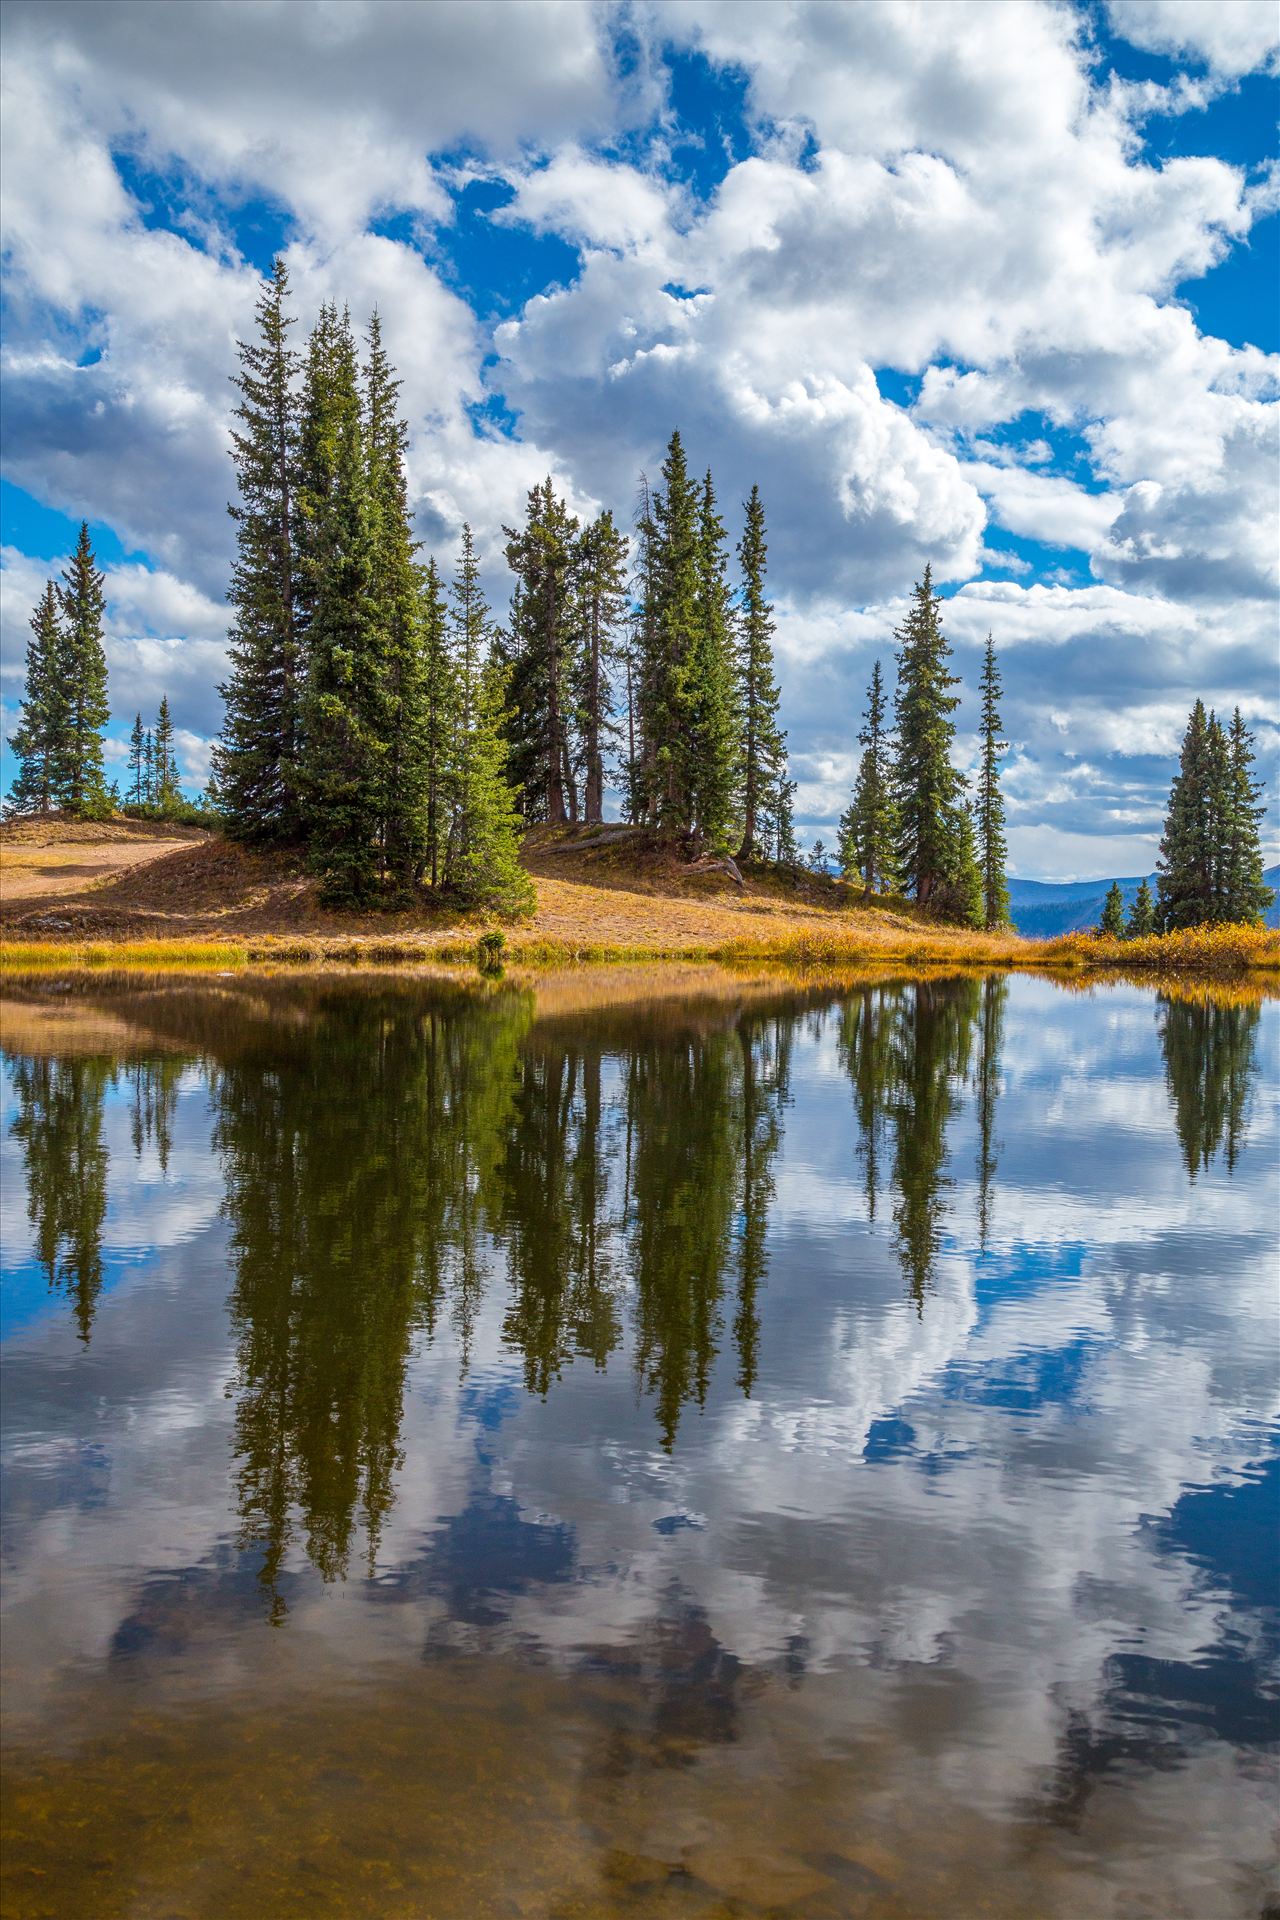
point(692, 1448)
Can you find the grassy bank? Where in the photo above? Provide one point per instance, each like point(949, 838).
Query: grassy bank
point(1206, 952)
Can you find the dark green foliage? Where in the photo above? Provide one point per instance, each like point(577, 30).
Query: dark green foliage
point(1210, 866)
point(483, 849)
point(400, 710)
point(958, 894)
point(138, 765)
point(166, 790)
point(1112, 921)
point(671, 632)
point(992, 848)
point(545, 614)
point(932, 830)
point(763, 759)
point(602, 601)
point(440, 704)
point(786, 847)
point(257, 759)
point(1210, 1061)
point(82, 788)
point(58, 1120)
point(869, 825)
point(707, 681)
point(1243, 896)
point(1142, 914)
point(40, 739)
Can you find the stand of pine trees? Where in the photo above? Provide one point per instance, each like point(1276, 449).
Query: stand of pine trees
point(1210, 866)
point(365, 713)
point(58, 739)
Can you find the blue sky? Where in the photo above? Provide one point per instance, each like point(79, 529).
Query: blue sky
point(991, 286)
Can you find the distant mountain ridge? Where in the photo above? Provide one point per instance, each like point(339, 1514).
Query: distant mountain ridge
point(1043, 908)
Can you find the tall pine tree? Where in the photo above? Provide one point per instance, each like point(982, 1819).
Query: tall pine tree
point(81, 782)
point(1243, 893)
point(1185, 883)
point(602, 603)
point(345, 746)
point(256, 761)
point(440, 692)
point(869, 825)
point(929, 791)
point(707, 689)
point(992, 848)
point(763, 763)
point(137, 762)
point(672, 627)
point(40, 739)
point(484, 834)
point(543, 557)
point(166, 790)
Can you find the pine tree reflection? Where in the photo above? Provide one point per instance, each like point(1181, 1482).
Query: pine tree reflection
point(59, 1121)
point(1211, 1065)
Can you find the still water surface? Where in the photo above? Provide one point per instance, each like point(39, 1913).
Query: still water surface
point(565, 1454)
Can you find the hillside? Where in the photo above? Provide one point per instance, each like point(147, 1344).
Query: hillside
point(66, 881)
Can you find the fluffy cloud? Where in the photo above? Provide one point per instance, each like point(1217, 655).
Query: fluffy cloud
point(1232, 39)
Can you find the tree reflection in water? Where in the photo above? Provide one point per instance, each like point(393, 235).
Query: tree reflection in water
point(390, 1153)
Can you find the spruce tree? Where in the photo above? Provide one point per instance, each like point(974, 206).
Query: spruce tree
point(166, 791)
point(81, 783)
point(1186, 866)
point(487, 871)
point(992, 849)
point(707, 681)
point(257, 759)
point(399, 697)
point(148, 768)
point(1112, 921)
point(602, 602)
point(673, 631)
point(1142, 914)
point(440, 718)
point(137, 762)
point(40, 739)
point(869, 825)
point(1244, 895)
point(817, 857)
point(929, 791)
point(787, 850)
point(543, 556)
point(343, 769)
point(763, 760)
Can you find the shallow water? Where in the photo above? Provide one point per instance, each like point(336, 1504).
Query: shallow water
point(757, 1451)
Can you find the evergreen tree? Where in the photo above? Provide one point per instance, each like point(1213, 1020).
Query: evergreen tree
point(869, 825)
point(399, 703)
point(1142, 914)
point(148, 768)
point(1186, 866)
point(1244, 896)
point(543, 556)
point(711, 741)
point(958, 895)
point(484, 834)
point(343, 769)
point(40, 739)
point(487, 870)
point(1112, 921)
point(257, 759)
point(166, 791)
point(82, 787)
point(602, 601)
point(817, 858)
point(763, 762)
point(137, 761)
point(992, 849)
point(440, 718)
point(672, 630)
point(931, 814)
point(642, 664)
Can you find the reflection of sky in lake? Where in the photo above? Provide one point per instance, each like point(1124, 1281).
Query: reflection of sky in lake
point(1021, 1532)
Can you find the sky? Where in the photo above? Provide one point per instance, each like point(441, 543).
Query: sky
point(992, 286)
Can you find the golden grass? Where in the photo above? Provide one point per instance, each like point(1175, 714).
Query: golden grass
point(1204, 952)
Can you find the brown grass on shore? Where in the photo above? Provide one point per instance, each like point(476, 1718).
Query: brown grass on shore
point(208, 905)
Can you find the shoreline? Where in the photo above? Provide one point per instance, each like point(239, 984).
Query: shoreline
point(1210, 953)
